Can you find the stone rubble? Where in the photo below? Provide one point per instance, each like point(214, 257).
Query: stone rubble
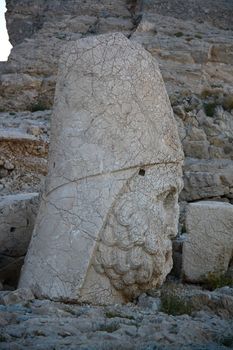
point(43, 324)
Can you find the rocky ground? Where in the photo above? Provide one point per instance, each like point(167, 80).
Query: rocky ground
point(183, 318)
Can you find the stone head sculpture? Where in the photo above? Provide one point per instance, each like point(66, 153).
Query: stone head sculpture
point(110, 207)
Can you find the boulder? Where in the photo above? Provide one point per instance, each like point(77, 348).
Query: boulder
point(178, 298)
point(147, 302)
point(16, 296)
point(17, 217)
point(110, 205)
point(208, 247)
point(205, 179)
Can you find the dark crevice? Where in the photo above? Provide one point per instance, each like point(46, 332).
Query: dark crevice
point(142, 172)
point(135, 8)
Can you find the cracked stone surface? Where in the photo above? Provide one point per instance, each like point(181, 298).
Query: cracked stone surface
point(192, 44)
point(17, 216)
point(47, 325)
point(209, 244)
point(111, 201)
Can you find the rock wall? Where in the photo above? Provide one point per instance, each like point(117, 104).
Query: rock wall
point(31, 16)
point(218, 13)
point(30, 74)
point(193, 53)
point(195, 57)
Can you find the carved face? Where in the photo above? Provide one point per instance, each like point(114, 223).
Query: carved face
point(135, 249)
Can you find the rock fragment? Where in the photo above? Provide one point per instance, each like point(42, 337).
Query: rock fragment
point(17, 216)
point(16, 296)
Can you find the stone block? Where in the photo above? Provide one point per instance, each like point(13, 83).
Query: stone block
point(196, 149)
point(17, 217)
point(205, 179)
point(209, 244)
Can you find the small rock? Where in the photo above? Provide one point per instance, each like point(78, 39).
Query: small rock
point(179, 110)
point(225, 290)
point(16, 332)
point(64, 334)
point(34, 130)
point(3, 173)
point(16, 296)
point(8, 165)
point(147, 302)
point(196, 149)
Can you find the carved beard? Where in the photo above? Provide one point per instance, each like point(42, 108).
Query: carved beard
point(135, 251)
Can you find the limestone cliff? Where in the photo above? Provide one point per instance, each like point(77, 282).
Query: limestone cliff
point(191, 40)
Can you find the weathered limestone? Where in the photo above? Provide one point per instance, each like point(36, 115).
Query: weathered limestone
point(209, 245)
point(206, 179)
point(15, 297)
point(110, 205)
point(17, 217)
